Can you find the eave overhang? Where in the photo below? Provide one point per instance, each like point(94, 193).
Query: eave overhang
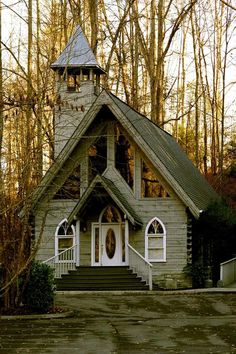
point(115, 195)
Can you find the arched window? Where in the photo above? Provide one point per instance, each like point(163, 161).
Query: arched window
point(65, 238)
point(110, 214)
point(155, 241)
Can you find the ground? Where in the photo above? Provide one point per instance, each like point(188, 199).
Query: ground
point(111, 323)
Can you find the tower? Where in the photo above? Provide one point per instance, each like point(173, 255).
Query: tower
point(77, 86)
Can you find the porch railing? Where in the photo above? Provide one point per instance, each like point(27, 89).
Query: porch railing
point(64, 261)
point(228, 272)
point(140, 265)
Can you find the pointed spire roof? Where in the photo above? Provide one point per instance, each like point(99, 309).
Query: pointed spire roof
point(77, 54)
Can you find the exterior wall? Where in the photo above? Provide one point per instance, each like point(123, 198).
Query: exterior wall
point(56, 211)
point(71, 110)
point(172, 213)
point(85, 247)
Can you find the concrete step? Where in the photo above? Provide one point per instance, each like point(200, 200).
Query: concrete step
point(101, 270)
point(97, 286)
point(101, 278)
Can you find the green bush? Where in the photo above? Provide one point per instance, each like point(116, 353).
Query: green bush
point(40, 288)
point(198, 273)
point(214, 239)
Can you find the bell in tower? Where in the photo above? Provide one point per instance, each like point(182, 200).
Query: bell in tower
point(78, 84)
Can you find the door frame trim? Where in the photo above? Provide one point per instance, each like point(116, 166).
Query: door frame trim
point(98, 225)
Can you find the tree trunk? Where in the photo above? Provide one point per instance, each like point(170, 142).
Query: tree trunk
point(1, 102)
point(157, 110)
point(93, 15)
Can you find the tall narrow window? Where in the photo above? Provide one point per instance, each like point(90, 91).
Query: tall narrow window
point(151, 186)
point(155, 241)
point(124, 158)
point(97, 157)
point(71, 188)
point(96, 245)
point(65, 239)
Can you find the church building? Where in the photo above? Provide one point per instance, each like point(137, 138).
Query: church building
point(114, 210)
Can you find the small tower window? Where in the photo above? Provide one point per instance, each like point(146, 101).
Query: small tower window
point(73, 83)
point(85, 76)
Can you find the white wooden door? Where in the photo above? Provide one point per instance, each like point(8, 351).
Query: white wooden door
point(111, 250)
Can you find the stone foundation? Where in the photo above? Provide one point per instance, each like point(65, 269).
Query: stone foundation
point(172, 281)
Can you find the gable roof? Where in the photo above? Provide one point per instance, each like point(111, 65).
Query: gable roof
point(77, 54)
point(113, 192)
point(159, 146)
point(172, 157)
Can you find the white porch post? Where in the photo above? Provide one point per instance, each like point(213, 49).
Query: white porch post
point(77, 241)
point(150, 278)
point(126, 242)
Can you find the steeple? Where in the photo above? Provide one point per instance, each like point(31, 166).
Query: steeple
point(78, 84)
point(77, 54)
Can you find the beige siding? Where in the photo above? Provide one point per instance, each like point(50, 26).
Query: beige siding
point(75, 106)
point(172, 213)
point(85, 246)
point(55, 212)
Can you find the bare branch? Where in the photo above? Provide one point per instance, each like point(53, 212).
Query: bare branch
point(229, 5)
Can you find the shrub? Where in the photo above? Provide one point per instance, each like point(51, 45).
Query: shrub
point(39, 291)
point(198, 274)
point(214, 238)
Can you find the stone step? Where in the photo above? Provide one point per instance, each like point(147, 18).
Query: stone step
point(90, 287)
point(97, 278)
point(104, 280)
point(101, 270)
point(101, 278)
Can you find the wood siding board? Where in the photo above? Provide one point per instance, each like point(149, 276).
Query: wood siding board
point(57, 212)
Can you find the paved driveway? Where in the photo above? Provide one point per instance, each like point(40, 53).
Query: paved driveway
point(129, 323)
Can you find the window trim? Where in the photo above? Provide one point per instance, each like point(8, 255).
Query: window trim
point(147, 236)
point(132, 146)
point(159, 182)
point(57, 236)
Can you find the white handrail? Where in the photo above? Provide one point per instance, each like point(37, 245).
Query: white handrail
point(63, 261)
point(228, 272)
point(140, 265)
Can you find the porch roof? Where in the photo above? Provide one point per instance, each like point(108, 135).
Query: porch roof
point(113, 192)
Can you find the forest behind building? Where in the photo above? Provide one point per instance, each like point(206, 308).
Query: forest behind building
point(173, 61)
